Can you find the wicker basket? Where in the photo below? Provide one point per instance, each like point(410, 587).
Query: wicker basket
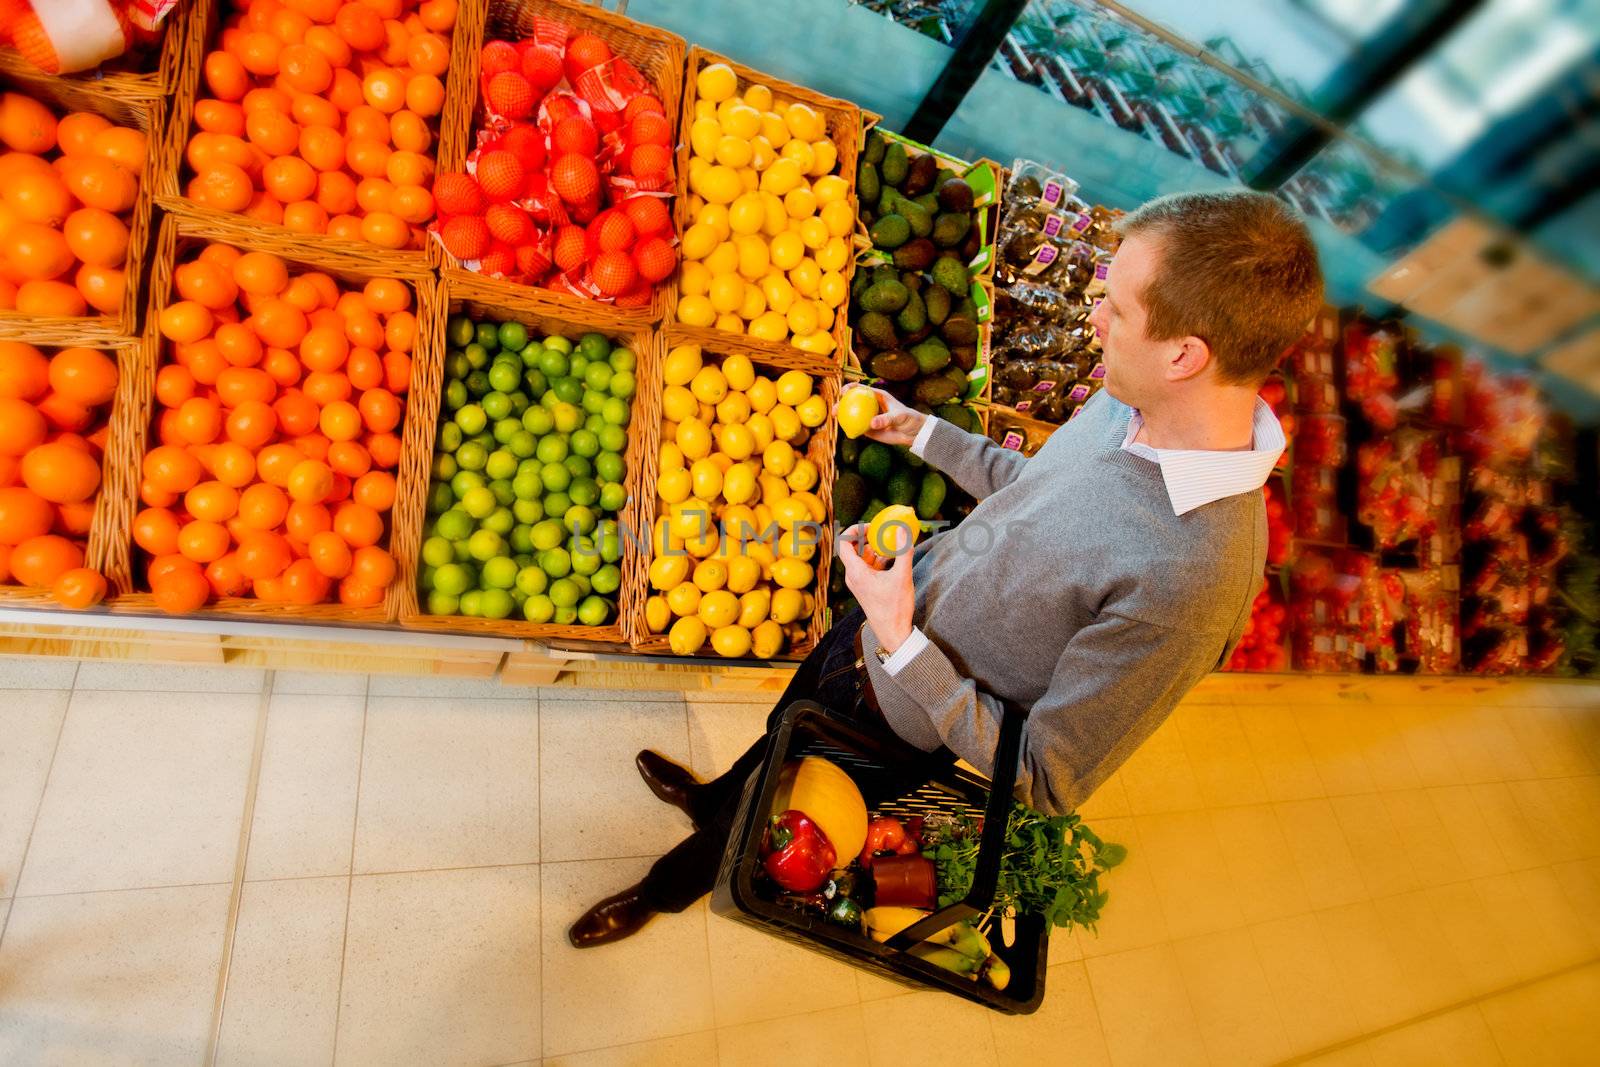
point(843, 121)
point(106, 529)
point(177, 237)
point(456, 295)
point(204, 25)
point(819, 450)
point(74, 94)
point(659, 57)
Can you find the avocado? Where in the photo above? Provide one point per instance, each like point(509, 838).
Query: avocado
point(919, 220)
point(932, 356)
point(868, 186)
point(964, 356)
point(872, 151)
point(938, 301)
point(917, 336)
point(945, 175)
point(849, 450)
point(949, 272)
point(873, 507)
point(950, 229)
point(970, 245)
point(884, 296)
point(884, 274)
point(890, 232)
point(966, 307)
point(850, 494)
point(914, 316)
point(919, 176)
point(895, 164)
point(888, 202)
point(930, 495)
point(958, 415)
point(894, 365)
point(916, 254)
point(937, 390)
point(912, 280)
point(910, 458)
point(955, 195)
point(957, 376)
point(959, 330)
point(876, 327)
point(858, 285)
point(875, 462)
point(901, 487)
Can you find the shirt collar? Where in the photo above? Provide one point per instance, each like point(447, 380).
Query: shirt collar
point(1195, 477)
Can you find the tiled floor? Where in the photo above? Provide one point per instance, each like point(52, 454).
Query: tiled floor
point(207, 865)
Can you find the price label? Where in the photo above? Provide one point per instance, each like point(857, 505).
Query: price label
point(1012, 440)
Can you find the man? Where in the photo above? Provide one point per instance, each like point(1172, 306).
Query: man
point(1094, 583)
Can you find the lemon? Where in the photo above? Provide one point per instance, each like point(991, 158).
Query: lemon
point(695, 279)
point(786, 605)
point(806, 277)
point(720, 184)
point(832, 289)
point(671, 457)
point(715, 216)
point(696, 311)
point(804, 122)
point(705, 109)
point(710, 575)
point(694, 437)
point(718, 608)
point(708, 384)
point(775, 130)
point(754, 604)
point(724, 259)
point(698, 241)
point(727, 292)
point(733, 151)
point(705, 137)
point(758, 97)
point(800, 202)
point(763, 554)
point(799, 151)
point(831, 189)
point(686, 636)
point(665, 540)
point(763, 394)
point(657, 615)
point(799, 543)
point(762, 154)
point(760, 428)
point(778, 458)
point(813, 233)
point(792, 573)
point(777, 217)
point(802, 318)
point(825, 315)
point(754, 304)
point(754, 263)
point(786, 426)
point(838, 217)
point(766, 640)
point(769, 326)
point(677, 403)
point(716, 82)
point(793, 387)
point(773, 489)
point(783, 175)
point(833, 255)
point(787, 251)
point(668, 571)
point(705, 412)
point(704, 546)
point(804, 475)
point(739, 484)
point(742, 121)
point(737, 442)
point(779, 293)
point(734, 408)
point(723, 463)
point(749, 179)
point(731, 642)
point(747, 214)
point(789, 511)
point(674, 486)
point(729, 322)
point(738, 521)
point(706, 480)
point(820, 343)
point(683, 362)
point(684, 599)
point(697, 170)
point(824, 157)
point(690, 518)
point(813, 504)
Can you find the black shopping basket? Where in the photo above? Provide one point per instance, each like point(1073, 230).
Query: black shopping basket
point(894, 779)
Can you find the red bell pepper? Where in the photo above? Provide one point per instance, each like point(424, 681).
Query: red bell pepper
point(796, 853)
point(887, 834)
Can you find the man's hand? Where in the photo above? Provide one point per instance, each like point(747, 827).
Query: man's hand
point(896, 424)
point(887, 597)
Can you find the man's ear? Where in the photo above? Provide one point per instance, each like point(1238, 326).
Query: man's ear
point(1188, 360)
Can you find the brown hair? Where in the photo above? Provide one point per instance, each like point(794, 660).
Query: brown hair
point(1237, 269)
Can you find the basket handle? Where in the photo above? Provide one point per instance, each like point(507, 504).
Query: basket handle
point(991, 846)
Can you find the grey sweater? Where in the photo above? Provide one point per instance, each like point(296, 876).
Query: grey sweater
point(1073, 590)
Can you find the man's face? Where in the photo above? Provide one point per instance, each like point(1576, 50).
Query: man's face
point(1135, 364)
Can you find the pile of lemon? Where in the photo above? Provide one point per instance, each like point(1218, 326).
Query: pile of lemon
point(770, 222)
point(738, 520)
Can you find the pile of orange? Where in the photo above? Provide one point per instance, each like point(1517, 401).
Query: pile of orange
point(277, 433)
point(321, 116)
point(67, 189)
point(52, 439)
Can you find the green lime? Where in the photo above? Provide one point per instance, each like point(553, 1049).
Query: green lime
point(532, 580)
point(564, 592)
point(522, 444)
point(553, 363)
point(560, 344)
point(608, 535)
point(459, 330)
point(471, 456)
point(567, 390)
point(578, 467)
point(568, 417)
point(577, 366)
point(455, 393)
point(548, 534)
point(531, 353)
point(465, 480)
point(444, 467)
point(479, 502)
point(513, 335)
point(436, 552)
point(579, 518)
point(519, 404)
point(530, 510)
point(534, 381)
point(552, 448)
point(586, 561)
point(594, 345)
point(616, 412)
point(453, 579)
point(624, 384)
point(503, 496)
point(593, 611)
point(440, 498)
point(527, 485)
point(443, 604)
point(505, 428)
point(477, 355)
point(593, 404)
point(449, 437)
point(499, 521)
point(538, 608)
point(594, 423)
point(499, 572)
point(584, 491)
point(505, 375)
point(486, 545)
point(521, 536)
point(487, 335)
point(501, 464)
point(613, 495)
point(613, 439)
point(565, 617)
point(538, 421)
point(597, 376)
point(556, 478)
point(556, 504)
point(609, 466)
point(495, 603)
point(582, 582)
point(623, 359)
point(453, 525)
point(496, 405)
point(607, 579)
point(471, 419)
point(556, 562)
point(585, 442)
point(477, 383)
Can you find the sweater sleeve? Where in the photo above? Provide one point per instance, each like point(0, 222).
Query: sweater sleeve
point(978, 465)
point(1116, 681)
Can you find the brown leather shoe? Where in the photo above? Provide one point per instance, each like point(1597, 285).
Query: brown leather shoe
point(614, 918)
point(669, 782)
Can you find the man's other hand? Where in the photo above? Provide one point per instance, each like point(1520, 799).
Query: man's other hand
point(887, 597)
point(896, 424)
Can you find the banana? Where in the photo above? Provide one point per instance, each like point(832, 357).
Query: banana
point(966, 939)
point(997, 972)
point(948, 958)
point(884, 923)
